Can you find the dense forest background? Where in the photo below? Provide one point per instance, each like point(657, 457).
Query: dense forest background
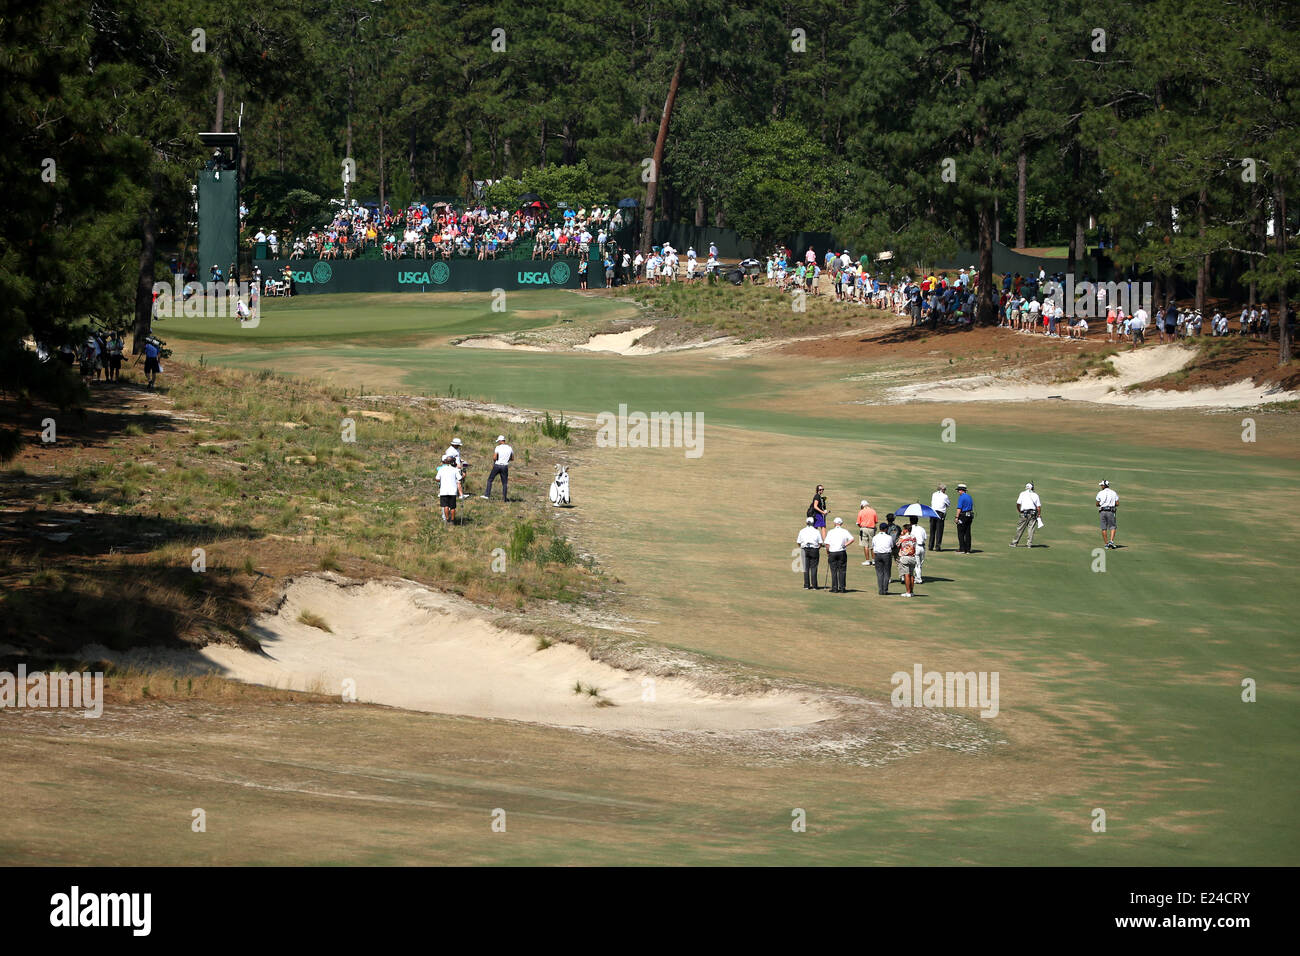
point(1166, 129)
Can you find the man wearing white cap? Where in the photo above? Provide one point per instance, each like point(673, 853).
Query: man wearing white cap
point(1107, 504)
point(809, 542)
point(1030, 507)
point(837, 555)
point(453, 452)
point(500, 466)
point(965, 515)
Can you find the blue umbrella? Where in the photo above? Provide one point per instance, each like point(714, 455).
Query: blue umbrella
point(917, 510)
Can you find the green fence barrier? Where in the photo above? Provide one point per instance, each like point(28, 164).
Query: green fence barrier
point(1008, 261)
point(218, 219)
point(311, 276)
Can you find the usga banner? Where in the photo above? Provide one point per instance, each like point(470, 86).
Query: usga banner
point(423, 275)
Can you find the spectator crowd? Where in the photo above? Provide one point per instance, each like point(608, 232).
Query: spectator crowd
point(441, 231)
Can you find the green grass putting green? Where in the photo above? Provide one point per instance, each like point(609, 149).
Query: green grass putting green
point(385, 316)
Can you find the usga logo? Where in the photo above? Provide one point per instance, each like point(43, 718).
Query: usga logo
point(558, 275)
point(438, 273)
point(319, 274)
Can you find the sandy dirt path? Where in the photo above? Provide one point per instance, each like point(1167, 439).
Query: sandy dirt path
point(1133, 367)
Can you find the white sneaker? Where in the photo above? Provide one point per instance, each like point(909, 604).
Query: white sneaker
point(866, 563)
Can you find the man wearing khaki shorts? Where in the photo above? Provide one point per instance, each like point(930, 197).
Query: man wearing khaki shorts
point(867, 520)
point(1107, 504)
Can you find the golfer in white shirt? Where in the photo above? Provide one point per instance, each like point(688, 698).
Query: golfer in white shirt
point(882, 546)
point(837, 555)
point(500, 466)
point(809, 542)
point(449, 488)
point(939, 504)
point(1107, 505)
point(1137, 326)
point(1031, 509)
point(453, 452)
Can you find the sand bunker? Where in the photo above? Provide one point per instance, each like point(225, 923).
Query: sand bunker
point(407, 646)
point(621, 342)
point(1135, 366)
point(492, 342)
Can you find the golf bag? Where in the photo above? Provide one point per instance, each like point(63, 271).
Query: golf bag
point(560, 487)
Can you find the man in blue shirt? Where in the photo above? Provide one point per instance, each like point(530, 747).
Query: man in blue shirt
point(965, 515)
point(151, 364)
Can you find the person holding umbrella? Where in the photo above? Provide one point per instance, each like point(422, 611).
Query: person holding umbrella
point(916, 531)
point(916, 511)
point(907, 558)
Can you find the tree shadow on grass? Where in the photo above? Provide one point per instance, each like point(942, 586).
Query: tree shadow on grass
point(914, 333)
point(68, 580)
point(117, 411)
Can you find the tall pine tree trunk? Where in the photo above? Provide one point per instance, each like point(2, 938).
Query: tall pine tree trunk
point(347, 152)
point(410, 158)
point(1203, 267)
point(1284, 321)
point(570, 141)
point(985, 306)
point(144, 282)
point(218, 124)
point(656, 169)
point(1022, 198)
point(1258, 241)
point(466, 163)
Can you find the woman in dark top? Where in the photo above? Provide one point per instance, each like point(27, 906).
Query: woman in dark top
point(817, 510)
